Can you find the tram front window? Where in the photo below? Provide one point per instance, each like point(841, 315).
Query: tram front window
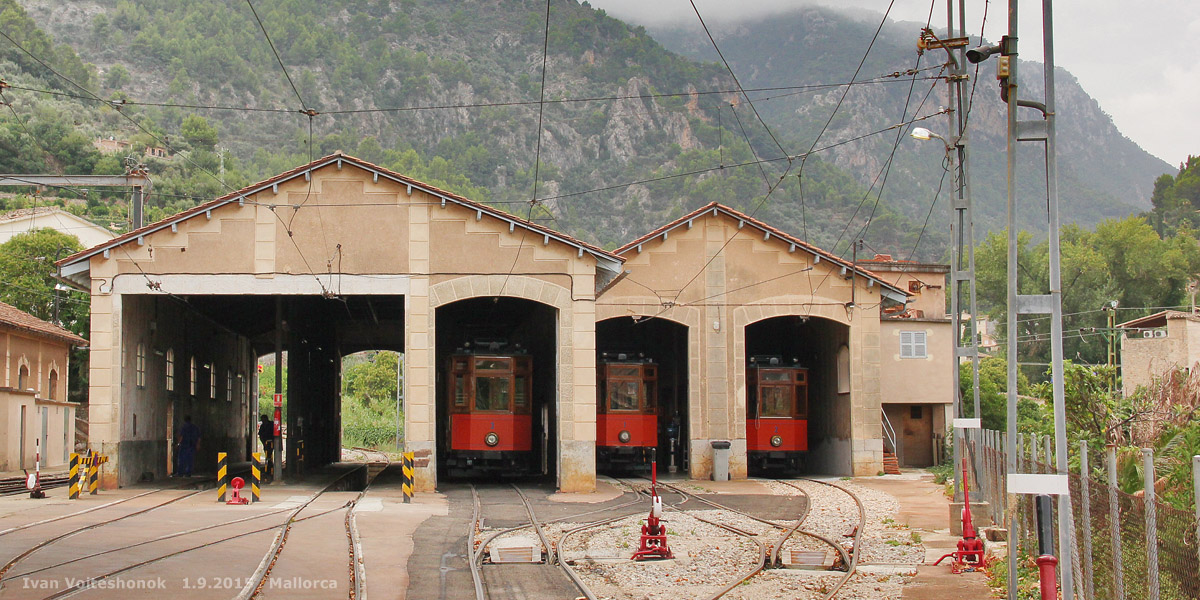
point(491, 393)
point(623, 395)
point(775, 402)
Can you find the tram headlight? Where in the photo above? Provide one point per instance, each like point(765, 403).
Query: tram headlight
point(624, 437)
point(776, 441)
point(491, 439)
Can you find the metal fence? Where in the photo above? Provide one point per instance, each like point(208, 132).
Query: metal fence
point(1124, 546)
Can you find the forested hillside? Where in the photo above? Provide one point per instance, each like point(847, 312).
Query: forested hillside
point(632, 134)
point(1102, 173)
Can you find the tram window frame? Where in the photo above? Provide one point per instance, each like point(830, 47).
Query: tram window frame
point(616, 375)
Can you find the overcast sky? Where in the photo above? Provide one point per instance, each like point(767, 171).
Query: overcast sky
point(1138, 60)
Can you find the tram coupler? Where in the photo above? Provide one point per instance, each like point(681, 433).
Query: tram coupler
point(653, 544)
point(970, 548)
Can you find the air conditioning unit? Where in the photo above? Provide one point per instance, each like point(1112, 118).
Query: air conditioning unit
point(1160, 333)
point(1147, 334)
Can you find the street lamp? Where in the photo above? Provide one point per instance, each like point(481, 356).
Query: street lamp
point(920, 133)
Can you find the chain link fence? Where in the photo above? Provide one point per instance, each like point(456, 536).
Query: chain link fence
point(1123, 546)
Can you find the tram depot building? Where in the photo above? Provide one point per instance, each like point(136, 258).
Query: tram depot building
point(340, 256)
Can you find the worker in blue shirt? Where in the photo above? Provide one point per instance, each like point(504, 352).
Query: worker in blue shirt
point(189, 441)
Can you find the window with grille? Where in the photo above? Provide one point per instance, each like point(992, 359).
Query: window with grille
point(192, 379)
point(229, 385)
point(170, 370)
point(212, 381)
point(912, 344)
point(141, 365)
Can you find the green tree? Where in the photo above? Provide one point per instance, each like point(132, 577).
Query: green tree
point(196, 130)
point(116, 78)
point(266, 389)
point(993, 398)
point(27, 271)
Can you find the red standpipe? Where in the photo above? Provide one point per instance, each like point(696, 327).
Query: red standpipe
point(1046, 570)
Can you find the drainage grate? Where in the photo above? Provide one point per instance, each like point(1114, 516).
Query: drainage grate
point(516, 550)
point(803, 559)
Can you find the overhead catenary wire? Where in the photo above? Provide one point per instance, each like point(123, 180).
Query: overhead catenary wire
point(139, 126)
point(262, 27)
point(537, 159)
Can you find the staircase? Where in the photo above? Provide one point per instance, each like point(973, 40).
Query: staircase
point(891, 465)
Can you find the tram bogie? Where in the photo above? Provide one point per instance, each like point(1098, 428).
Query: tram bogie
point(777, 423)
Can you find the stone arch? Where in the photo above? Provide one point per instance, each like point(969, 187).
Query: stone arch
point(486, 286)
point(648, 306)
point(527, 288)
point(54, 382)
point(23, 373)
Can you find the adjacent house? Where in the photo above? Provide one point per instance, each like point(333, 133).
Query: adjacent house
point(1157, 343)
point(51, 217)
point(34, 411)
point(916, 361)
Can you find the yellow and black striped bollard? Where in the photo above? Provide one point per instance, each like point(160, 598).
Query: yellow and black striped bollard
point(408, 477)
point(93, 472)
point(74, 489)
point(222, 475)
point(256, 464)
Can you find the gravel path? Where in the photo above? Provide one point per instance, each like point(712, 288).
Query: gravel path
point(709, 558)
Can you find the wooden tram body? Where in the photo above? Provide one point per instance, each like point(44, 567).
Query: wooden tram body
point(777, 423)
point(490, 403)
point(626, 410)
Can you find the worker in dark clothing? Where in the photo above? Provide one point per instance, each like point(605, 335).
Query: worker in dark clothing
point(266, 434)
point(189, 442)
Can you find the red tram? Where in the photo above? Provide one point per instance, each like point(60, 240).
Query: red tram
point(627, 410)
point(777, 423)
point(490, 403)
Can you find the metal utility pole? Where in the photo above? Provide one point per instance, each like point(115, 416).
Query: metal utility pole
point(1050, 304)
point(137, 179)
point(962, 225)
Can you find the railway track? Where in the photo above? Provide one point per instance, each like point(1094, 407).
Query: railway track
point(542, 579)
point(76, 531)
point(769, 545)
point(256, 583)
point(12, 486)
point(357, 578)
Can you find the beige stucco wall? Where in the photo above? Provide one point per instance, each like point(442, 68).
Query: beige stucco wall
point(353, 234)
point(1143, 359)
point(41, 356)
point(717, 281)
point(928, 380)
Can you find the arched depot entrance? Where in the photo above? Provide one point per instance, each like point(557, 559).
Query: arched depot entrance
point(662, 345)
point(497, 378)
point(795, 387)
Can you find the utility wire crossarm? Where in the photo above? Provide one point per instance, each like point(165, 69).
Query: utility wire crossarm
point(137, 179)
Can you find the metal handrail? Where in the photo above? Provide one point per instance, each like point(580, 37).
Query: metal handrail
point(888, 432)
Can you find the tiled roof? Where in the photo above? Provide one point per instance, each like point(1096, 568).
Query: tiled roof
point(717, 207)
point(1158, 319)
point(21, 320)
point(339, 158)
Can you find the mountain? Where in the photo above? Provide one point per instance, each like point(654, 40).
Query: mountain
point(632, 134)
point(1102, 173)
